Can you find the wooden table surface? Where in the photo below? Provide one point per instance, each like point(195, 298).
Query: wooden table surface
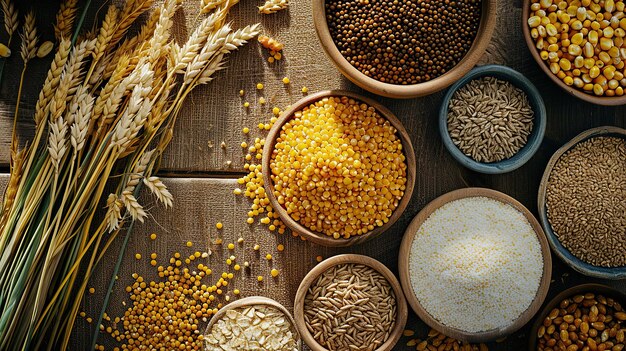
point(196, 170)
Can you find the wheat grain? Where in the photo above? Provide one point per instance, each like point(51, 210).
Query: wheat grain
point(28, 49)
point(114, 212)
point(52, 79)
point(273, 6)
point(159, 190)
point(65, 19)
point(133, 207)
point(10, 17)
point(57, 141)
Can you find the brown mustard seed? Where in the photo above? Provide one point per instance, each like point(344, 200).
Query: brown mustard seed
point(403, 42)
point(586, 201)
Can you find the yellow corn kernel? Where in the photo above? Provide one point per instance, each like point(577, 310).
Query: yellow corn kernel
point(579, 62)
point(619, 91)
point(577, 39)
point(578, 83)
point(581, 13)
point(544, 55)
point(588, 50)
point(598, 90)
point(4, 51)
point(561, 75)
point(594, 72)
point(553, 57)
point(576, 25)
point(564, 17)
point(613, 84)
point(587, 78)
point(606, 43)
point(568, 80)
point(551, 30)
point(592, 37)
point(604, 57)
point(542, 31)
point(552, 40)
point(613, 52)
point(609, 72)
point(609, 5)
point(565, 64)
point(574, 50)
point(588, 87)
point(539, 44)
point(553, 48)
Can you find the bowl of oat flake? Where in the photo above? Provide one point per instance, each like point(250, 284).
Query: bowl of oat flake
point(492, 120)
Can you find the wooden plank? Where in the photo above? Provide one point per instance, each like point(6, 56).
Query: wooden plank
point(214, 113)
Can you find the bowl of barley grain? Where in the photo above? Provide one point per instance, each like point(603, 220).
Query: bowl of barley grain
point(492, 120)
point(582, 202)
point(350, 302)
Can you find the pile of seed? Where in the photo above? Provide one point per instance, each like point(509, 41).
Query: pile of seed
point(350, 307)
point(257, 327)
point(489, 119)
point(338, 168)
point(475, 264)
point(584, 322)
point(586, 201)
point(436, 341)
point(582, 42)
point(403, 42)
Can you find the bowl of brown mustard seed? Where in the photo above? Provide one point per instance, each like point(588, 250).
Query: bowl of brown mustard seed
point(492, 120)
point(582, 202)
point(404, 49)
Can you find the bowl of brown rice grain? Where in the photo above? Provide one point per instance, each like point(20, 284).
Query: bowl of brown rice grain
point(492, 120)
point(582, 202)
point(350, 302)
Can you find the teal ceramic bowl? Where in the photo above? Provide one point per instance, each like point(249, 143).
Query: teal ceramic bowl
point(534, 139)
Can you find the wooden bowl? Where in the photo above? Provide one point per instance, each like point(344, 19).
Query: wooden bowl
point(575, 290)
point(558, 248)
point(483, 36)
point(534, 139)
point(599, 100)
point(320, 238)
point(405, 278)
point(401, 306)
point(256, 300)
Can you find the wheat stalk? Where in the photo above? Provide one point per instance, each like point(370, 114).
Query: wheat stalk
point(28, 49)
point(65, 19)
point(273, 6)
point(10, 17)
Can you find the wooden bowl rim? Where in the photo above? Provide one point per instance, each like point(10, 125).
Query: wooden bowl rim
point(534, 139)
point(598, 100)
point(401, 305)
point(473, 55)
point(320, 238)
point(569, 292)
point(405, 278)
point(558, 248)
point(251, 301)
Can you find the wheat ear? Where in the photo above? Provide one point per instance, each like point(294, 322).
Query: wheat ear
point(107, 30)
point(52, 79)
point(65, 19)
point(114, 212)
point(133, 207)
point(162, 31)
point(210, 5)
point(57, 141)
point(28, 49)
point(159, 190)
point(10, 17)
point(81, 118)
point(195, 42)
point(17, 161)
point(131, 11)
point(273, 6)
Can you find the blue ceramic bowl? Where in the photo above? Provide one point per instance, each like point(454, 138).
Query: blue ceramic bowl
point(558, 248)
point(534, 139)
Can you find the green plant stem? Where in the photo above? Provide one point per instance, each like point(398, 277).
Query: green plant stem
point(80, 22)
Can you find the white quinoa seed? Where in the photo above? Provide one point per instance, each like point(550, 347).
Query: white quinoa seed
point(476, 264)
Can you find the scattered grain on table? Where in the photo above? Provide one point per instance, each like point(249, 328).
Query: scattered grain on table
point(475, 264)
point(489, 119)
point(436, 341)
point(586, 201)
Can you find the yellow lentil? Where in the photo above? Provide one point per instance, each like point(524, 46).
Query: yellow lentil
point(153, 236)
point(138, 256)
point(219, 225)
point(189, 244)
point(281, 247)
point(246, 104)
point(259, 86)
point(260, 278)
point(286, 80)
point(350, 161)
point(274, 273)
point(231, 246)
point(268, 257)
point(305, 90)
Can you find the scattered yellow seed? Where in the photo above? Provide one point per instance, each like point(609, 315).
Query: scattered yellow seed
point(246, 104)
point(92, 290)
point(240, 240)
point(246, 130)
point(281, 247)
point(262, 100)
point(244, 145)
point(138, 256)
point(229, 261)
point(268, 257)
point(236, 291)
point(219, 225)
point(246, 264)
point(257, 247)
point(274, 273)
point(260, 278)
point(260, 125)
point(271, 59)
point(189, 244)
point(237, 267)
point(286, 80)
point(319, 258)
point(237, 191)
point(242, 92)
point(218, 241)
point(83, 314)
point(153, 236)
point(276, 111)
point(305, 90)
point(89, 320)
point(408, 332)
point(231, 246)
point(153, 255)
point(250, 220)
point(278, 55)
point(153, 262)
point(259, 86)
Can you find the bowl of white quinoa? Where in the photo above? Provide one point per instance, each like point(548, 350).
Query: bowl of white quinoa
point(475, 264)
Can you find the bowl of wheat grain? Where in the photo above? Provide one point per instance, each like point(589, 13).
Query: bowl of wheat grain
point(492, 120)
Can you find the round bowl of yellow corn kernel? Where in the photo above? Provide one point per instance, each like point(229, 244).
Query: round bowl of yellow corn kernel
point(338, 168)
point(581, 45)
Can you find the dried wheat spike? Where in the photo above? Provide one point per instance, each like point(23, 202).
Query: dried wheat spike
point(159, 190)
point(52, 79)
point(57, 142)
point(10, 17)
point(133, 207)
point(114, 212)
point(29, 38)
point(65, 19)
point(273, 6)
